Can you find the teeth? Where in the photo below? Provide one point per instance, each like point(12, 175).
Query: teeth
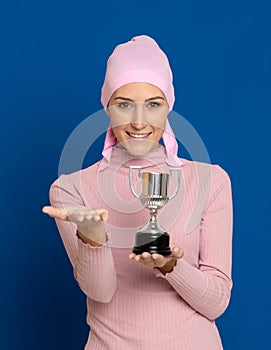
point(138, 136)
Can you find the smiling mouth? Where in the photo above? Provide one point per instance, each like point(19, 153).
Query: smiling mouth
point(138, 136)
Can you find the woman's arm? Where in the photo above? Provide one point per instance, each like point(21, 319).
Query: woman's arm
point(207, 288)
point(93, 264)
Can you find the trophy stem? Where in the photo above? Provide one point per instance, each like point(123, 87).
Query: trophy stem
point(153, 214)
point(152, 237)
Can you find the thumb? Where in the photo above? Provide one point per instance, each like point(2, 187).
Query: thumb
point(177, 252)
point(57, 213)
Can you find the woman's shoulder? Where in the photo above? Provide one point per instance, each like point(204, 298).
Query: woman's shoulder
point(217, 173)
point(78, 175)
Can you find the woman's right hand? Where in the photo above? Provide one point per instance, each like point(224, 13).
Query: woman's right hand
point(90, 222)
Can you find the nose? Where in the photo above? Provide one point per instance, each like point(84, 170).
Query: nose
point(138, 126)
point(139, 119)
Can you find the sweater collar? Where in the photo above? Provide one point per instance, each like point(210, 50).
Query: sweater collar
point(122, 158)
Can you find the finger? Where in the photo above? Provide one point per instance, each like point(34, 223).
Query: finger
point(45, 209)
point(88, 216)
point(48, 209)
point(132, 256)
point(138, 257)
point(146, 255)
point(58, 213)
point(104, 215)
point(77, 217)
point(101, 214)
point(98, 214)
point(97, 217)
point(147, 259)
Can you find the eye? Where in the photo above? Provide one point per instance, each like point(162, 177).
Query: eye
point(153, 105)
point(125, 105)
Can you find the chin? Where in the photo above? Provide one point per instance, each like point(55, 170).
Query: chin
point(139, 148)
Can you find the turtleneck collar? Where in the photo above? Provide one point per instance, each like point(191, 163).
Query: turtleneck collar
point(157, 157)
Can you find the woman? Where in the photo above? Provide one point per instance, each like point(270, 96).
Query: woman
point(146, 301)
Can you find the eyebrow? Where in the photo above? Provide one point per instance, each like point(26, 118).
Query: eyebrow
point(147, 100)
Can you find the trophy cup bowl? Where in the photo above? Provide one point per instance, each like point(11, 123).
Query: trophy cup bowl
point(152, 237)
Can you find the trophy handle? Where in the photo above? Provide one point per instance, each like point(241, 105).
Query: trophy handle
point(179, 181)
point(131, 179)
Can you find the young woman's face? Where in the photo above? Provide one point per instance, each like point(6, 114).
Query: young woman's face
point(138, 113)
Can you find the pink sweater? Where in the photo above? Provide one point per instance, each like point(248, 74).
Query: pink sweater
point(132, 306)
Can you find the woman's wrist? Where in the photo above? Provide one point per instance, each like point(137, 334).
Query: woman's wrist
point(95, 242)
point(167, 268)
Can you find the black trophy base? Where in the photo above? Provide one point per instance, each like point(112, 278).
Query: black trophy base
point(152, 243)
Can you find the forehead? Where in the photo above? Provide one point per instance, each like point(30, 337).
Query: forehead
point(138, 91)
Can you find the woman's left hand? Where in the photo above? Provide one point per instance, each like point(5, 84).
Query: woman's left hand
point(164, 263)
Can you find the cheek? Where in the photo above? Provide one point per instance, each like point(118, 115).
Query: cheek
point(158, 132)
point(119, 133)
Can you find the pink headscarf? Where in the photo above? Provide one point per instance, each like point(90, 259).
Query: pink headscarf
point(139, 60)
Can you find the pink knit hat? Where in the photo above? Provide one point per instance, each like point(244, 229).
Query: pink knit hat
point(139, 60)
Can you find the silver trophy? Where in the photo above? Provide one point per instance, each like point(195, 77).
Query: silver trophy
point(152, 237)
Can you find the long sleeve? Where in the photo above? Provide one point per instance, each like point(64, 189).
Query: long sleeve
point(93, 267)
point(207, 288)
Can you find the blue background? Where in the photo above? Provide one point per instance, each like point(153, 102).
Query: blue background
point(52, 64)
